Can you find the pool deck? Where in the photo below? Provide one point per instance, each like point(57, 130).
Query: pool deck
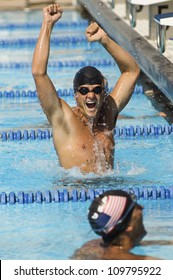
point(142, 26)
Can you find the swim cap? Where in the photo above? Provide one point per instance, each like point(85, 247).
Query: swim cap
point(106, 212)
point(87, 75)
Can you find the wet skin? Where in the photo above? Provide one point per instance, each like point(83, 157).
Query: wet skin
point(85, 144)
point(90, 145)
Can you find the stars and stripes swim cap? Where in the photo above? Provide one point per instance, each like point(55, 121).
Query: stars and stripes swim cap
point(108, 213)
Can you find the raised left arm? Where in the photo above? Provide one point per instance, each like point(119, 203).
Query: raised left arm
point(130, 70)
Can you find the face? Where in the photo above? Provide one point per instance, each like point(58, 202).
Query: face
point(90, 98)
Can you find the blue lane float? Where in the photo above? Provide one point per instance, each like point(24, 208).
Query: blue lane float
point(56, 196)
point(61, 24)
point(143, 131)
point(60, 64)
point(61, 40)
point(125, 132)
point(61, 92)
point(25, 135)
point(18, 93)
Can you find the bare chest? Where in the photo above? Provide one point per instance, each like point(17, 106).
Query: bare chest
point(92, 152)
point(90, 149)
point(93, 142)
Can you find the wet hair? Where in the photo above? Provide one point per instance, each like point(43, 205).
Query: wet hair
point(88, 75)
point(106, 212)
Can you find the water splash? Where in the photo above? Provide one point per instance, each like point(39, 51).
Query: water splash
point(135, 170)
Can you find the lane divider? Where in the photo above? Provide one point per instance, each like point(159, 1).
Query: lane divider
point(61, 24)
point(56, 196)
point(57, 64)
point(119, 132)
point(61, 92)
point(61, 40)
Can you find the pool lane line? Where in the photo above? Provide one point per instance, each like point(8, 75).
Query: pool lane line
point(56, 196)
point(27, 26)
point(60, 63)
point(61, 92)
point(125, 132)
point(56, 40)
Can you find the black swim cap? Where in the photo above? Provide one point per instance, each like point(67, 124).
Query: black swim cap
point(88, 75)
point(107, 210)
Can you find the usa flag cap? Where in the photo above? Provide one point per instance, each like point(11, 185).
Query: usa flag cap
point(109, 212)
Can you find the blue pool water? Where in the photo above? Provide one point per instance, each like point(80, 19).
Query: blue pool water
point(55, 230)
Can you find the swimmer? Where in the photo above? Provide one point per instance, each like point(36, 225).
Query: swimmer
point(118, 219)
point(83, 136)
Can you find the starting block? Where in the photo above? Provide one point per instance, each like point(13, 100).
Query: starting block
point(162, 22)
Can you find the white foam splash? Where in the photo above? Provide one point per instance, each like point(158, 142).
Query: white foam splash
point(135, 170)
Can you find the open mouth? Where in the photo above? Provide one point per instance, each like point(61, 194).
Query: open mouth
point(91, 105)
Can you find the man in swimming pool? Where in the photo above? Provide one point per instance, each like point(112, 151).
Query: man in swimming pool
point(118, 219)
point(83, 136)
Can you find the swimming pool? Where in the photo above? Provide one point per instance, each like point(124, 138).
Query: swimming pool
point(54, 230)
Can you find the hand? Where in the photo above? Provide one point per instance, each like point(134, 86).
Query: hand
point(52, 13)
point(94, 32)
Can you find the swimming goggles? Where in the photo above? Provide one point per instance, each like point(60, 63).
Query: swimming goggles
point(85, 90)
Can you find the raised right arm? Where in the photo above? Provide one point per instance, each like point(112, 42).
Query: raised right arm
point(45, 88)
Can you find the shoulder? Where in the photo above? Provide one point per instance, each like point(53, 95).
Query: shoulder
point(94, 250)
point(91, 250)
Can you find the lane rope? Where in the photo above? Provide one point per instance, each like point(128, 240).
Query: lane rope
point(56, 196)
point(126, 132)
point(61, 92)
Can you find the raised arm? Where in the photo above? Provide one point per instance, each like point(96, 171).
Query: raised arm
point(129, 68)
point(45, 88)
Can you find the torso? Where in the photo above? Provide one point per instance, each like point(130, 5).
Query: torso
point(90, 149)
